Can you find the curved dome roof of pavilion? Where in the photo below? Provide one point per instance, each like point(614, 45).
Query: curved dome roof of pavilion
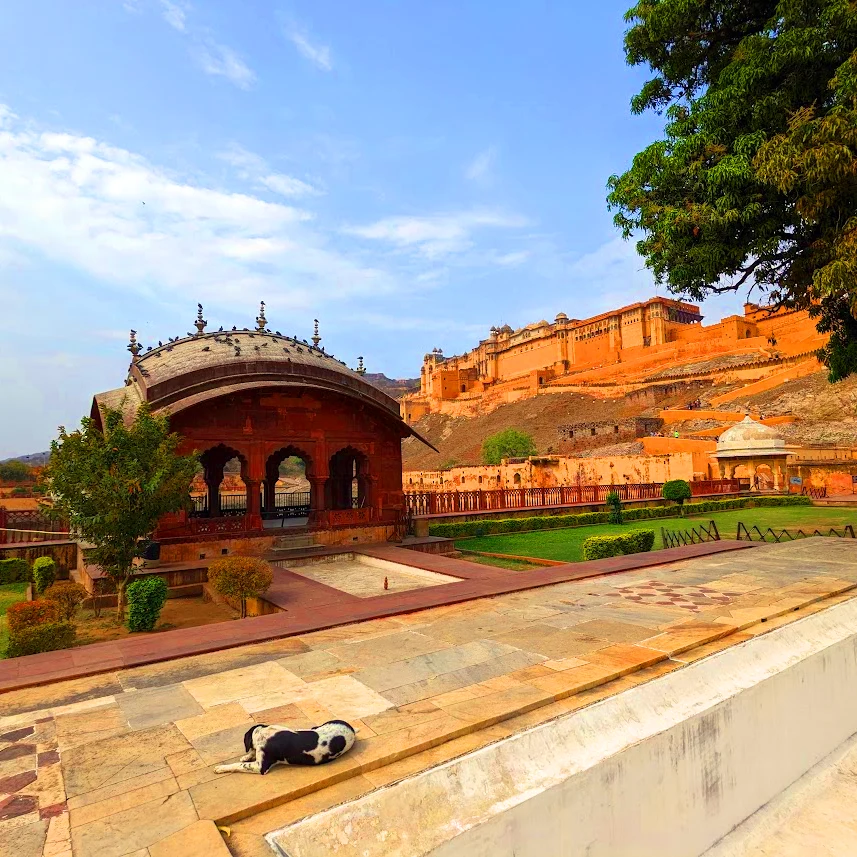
point(189, 371)
point(750, 438)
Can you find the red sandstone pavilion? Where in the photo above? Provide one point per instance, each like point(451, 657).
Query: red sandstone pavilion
point(261, 397)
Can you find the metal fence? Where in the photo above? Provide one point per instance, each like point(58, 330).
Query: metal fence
point(691, 536)
point(755, 534)
point(289, 504)
point(422, 503)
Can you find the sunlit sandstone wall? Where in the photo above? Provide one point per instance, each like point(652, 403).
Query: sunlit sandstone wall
point(561, 470)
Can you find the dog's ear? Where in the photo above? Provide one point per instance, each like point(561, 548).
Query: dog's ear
point(248, 737)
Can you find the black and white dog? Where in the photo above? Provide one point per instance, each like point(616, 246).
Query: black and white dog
point(267, 746)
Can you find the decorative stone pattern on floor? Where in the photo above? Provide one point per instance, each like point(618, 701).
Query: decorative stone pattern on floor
point(122, 764)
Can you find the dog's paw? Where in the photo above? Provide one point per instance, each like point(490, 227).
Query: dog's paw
point(221, 769)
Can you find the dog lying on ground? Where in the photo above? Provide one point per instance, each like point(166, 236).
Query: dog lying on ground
point(267, 746)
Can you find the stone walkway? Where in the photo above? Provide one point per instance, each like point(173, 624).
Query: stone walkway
point(309, 605)
point(121, 764)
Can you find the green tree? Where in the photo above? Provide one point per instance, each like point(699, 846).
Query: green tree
point(755, 179)
point(509, 443)
point(678, 491)
point(113, 486)
point(14, 471)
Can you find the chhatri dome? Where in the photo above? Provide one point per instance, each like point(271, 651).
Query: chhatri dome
point(750, 438)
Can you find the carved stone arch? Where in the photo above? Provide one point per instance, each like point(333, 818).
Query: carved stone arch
point(213, 461)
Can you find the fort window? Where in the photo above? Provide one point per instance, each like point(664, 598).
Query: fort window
point(463, 388)
point(480, 480)
point(592, 432)
point(615, 429)
point(517, 479)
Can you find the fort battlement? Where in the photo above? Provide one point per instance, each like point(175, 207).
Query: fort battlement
point(632, 345)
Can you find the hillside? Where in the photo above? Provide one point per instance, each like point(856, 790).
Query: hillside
point(459, 439)
point(395, 387)
point(826, 414)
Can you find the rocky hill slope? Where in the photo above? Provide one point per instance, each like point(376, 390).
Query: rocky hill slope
point(827, 413)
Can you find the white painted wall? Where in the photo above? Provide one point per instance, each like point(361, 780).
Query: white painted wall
point(662, 770)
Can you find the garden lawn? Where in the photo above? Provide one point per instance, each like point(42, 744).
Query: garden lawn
point(10, 593)
point(566, 544)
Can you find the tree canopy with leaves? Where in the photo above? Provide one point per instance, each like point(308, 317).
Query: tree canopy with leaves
point(113, 486)
point(509, 443)
point(755, 179)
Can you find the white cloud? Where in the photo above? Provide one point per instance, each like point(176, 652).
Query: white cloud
point(512, 259)
point(251, 167)
point(221, 61)
point(439, 235)
point(112, 214)
point(318, 55)
point(480, 168)
point(175, 14)
point(212, 57)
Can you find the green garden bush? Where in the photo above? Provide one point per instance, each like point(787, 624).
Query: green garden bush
point(44, 573)
point(146, 599)
point(240, 577)
point(27, 614)
point(14, 570)
point(614, 508)
point(47, 637)
point(490, 527)
point(67, 596)
point(601, 547)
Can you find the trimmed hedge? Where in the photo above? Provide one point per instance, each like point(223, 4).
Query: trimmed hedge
point(14, 570)
point(146, 599)
point(44, 573)
point(41, 638)
point(601, 547)
point(28, 614)
point(463, 529)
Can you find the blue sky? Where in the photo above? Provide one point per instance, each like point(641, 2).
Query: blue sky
point(408, 172)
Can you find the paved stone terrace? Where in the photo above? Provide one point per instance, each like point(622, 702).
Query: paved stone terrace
point(121, 764)
point(309, 605)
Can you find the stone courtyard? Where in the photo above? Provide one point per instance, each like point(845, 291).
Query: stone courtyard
point(121, 764)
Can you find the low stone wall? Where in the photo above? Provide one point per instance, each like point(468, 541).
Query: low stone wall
point(262, 545)
point(64, 554)
point(667, 768)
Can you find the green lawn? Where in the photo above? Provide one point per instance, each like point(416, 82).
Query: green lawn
point(10, 593)
point(567, 544)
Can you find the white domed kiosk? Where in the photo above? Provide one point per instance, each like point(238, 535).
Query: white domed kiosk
point(750, 445)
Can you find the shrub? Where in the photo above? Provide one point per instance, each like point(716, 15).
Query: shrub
point(614, 508)
point(27, 614)
point(677, 490)
point(44, 573)
point(601, 547)
point(67, 596)
point(40, 638)
point(146, 599)
point(240, 577)
point(14, 570)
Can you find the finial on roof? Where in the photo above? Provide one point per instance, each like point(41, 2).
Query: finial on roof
point(200, 322)
point(315, 337)
point(261, 321)
point(134, 346)
point(361, 369)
